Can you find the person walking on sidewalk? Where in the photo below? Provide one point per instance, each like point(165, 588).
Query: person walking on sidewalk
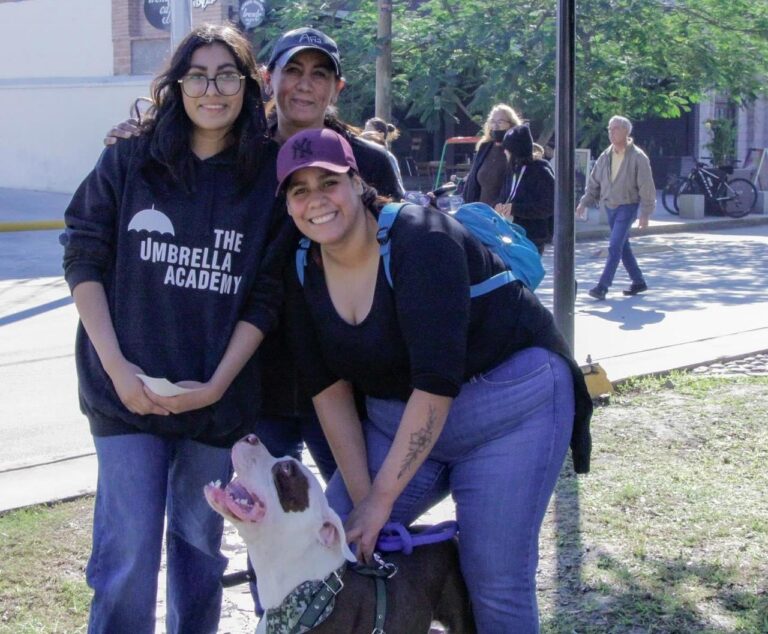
point(622, 181)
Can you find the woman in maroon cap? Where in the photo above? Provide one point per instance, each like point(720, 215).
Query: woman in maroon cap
point(478, 397)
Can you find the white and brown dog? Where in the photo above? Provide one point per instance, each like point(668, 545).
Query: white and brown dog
point(298, 549)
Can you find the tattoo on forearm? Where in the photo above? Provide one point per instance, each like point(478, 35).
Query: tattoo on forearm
point(420, 440)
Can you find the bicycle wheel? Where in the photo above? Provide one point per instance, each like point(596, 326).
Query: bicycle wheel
point(668, 194)
point(737, 197)
point(687, 186)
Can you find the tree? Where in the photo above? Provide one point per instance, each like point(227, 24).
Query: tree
point(642, 58)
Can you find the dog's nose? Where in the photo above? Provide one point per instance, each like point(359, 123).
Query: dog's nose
point(252, 439)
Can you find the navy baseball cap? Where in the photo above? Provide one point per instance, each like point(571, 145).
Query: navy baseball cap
point(317, 147)
point(302, 39)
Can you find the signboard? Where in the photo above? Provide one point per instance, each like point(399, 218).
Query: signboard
point(252, 13)
point(203, 4)
point(158, 14)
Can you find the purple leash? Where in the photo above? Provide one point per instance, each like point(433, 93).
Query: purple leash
point(395, 537)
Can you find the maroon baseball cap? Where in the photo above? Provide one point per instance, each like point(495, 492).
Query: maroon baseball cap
point(318, 147)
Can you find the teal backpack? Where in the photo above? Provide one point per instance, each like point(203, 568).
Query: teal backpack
point(502, 237)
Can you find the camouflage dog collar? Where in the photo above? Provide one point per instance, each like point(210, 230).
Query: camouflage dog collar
point(308, 605)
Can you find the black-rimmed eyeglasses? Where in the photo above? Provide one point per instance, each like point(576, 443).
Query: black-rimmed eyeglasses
point(227, 84)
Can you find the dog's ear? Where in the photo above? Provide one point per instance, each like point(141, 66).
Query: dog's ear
point(331, 535)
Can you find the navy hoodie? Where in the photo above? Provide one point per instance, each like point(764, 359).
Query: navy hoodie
point(179, 269)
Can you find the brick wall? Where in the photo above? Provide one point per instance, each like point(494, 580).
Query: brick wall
point(139, 47)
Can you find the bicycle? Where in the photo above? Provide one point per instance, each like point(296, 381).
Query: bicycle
point(735, 197)
point(668, 193)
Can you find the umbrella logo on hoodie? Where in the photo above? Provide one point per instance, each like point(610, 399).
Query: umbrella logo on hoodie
point(151, 220)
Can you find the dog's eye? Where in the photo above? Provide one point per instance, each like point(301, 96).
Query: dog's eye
point(292, 486)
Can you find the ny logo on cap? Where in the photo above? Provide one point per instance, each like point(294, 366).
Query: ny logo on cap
point(302, 148)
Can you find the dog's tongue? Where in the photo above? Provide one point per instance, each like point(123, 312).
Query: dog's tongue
point(242, 503)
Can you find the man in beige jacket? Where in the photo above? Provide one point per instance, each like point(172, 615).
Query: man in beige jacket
point(621, 180)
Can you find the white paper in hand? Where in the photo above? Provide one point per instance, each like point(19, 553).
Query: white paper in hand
point(162, 386)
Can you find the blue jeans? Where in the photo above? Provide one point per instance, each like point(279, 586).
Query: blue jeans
point(499, 455)
point(142, 479)
point(284, 436)
point(619, 250)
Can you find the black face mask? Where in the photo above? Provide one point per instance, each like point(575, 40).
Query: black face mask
point(498, 135)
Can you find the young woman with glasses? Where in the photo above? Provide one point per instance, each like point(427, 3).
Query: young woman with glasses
point(486, 175)
point(303, 77)
point(167, 251)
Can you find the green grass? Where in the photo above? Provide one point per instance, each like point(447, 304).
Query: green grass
point(667, 534)
point(43, 551)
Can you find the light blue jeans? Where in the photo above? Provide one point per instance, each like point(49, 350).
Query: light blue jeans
point(142, 478)
point(499, 456)
point(620, 220)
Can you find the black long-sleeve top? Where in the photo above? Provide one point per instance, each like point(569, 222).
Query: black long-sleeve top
point(284, 395)
point(179, 270)
point(425, 333)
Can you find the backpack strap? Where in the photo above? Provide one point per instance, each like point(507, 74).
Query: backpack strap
point(387, 217)
point(492, 283)
point(301, 258)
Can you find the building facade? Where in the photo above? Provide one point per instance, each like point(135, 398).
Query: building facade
point(70, 72)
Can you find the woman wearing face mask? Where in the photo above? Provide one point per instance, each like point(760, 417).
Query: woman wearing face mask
point(528, 193)
point(486, 175)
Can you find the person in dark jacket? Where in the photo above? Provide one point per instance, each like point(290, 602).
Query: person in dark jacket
point(169, 255)
point(478, 397)
point(489, 166)
point(304, 79)
point(529, 188)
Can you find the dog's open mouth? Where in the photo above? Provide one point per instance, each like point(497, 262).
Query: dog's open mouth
point(235, 498)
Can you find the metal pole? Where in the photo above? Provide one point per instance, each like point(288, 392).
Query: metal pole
point(384, 61)
point(564, 287)
point(181, 21)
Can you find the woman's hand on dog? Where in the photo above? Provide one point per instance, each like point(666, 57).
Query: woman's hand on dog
point(202, 395)
point(365, 523)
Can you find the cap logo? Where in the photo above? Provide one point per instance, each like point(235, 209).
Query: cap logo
point(302, 148)
point(312, 39)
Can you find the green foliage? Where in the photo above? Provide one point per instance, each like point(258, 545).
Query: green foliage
point(640, 58)
point(722, 145)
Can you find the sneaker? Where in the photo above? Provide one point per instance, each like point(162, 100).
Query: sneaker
point(635, 288)
point(598, 292)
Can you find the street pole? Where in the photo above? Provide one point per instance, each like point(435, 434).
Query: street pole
point(384, 61)
point(564, 242)
point(181, 21)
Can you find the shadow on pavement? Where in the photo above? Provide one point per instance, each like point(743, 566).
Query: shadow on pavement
point(36, 310)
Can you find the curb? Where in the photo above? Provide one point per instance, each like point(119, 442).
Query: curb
point(703, 225)
point(682, 368)
point(32, 225)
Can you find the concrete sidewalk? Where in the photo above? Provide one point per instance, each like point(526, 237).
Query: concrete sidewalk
point(706, 301)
